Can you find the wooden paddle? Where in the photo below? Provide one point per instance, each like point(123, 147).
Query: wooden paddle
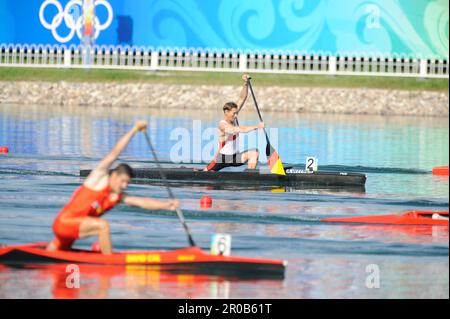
point(275, 164)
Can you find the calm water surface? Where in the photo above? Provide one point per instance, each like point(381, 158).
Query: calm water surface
point(49, 145)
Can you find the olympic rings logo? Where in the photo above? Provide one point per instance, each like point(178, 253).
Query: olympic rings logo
point(72, 18)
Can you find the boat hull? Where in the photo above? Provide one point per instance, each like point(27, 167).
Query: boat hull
point(440, 171)
point(292, 177)
point(424, 218)
point(186, 260)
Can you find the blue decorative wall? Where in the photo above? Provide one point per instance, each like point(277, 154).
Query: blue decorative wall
point(418, 28)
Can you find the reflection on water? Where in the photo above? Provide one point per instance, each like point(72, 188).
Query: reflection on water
point(322, 277)
point(84, 134)
point(333, 139)
point(123, 282)
point(207, 186)
point(49, 145)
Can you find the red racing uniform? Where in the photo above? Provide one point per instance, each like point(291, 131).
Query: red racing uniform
point(84, 203)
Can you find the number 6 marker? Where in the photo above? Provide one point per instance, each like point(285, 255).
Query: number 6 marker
point(221, 244)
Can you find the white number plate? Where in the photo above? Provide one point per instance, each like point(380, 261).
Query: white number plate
point(221, 244)
point(311, 164)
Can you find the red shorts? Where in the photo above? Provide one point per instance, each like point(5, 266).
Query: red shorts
point(65, 233)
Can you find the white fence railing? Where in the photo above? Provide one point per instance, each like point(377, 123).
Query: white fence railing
point(143, 58)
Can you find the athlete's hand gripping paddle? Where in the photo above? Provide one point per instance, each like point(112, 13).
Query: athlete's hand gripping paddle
point(275, 164)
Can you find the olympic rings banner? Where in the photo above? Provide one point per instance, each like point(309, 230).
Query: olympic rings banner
point(418, 28)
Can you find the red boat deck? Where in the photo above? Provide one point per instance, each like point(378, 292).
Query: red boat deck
point(440, 171)
point(185, 259)
point(408, 218)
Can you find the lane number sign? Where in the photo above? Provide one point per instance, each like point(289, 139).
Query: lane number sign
point(311, 164)
point(221, 244)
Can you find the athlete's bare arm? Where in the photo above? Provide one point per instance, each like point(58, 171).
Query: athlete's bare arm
point(98, 178)
point(231, 129)
point(244, 92)
point(150, 204)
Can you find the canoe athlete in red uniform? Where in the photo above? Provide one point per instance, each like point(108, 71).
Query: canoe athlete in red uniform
point(101, 191)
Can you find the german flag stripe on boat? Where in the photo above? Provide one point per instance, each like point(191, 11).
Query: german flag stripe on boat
point(276, 167)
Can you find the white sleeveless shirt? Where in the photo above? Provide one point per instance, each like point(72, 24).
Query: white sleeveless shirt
point(231, 146)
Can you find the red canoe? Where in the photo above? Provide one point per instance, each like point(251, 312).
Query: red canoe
point(189, 260)
point(408, 218)
point(440, 170)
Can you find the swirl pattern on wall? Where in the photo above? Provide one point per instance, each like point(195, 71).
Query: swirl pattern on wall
point(351, 27)
point(333, 26)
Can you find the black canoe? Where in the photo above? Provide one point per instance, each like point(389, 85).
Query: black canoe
point(294, 177)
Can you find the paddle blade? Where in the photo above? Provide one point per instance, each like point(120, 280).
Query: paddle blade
point(191, 241)
point(276, 167)
point(269, 149)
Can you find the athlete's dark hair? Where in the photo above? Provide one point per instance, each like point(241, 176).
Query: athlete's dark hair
point(123, 169)
point(229, 106)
